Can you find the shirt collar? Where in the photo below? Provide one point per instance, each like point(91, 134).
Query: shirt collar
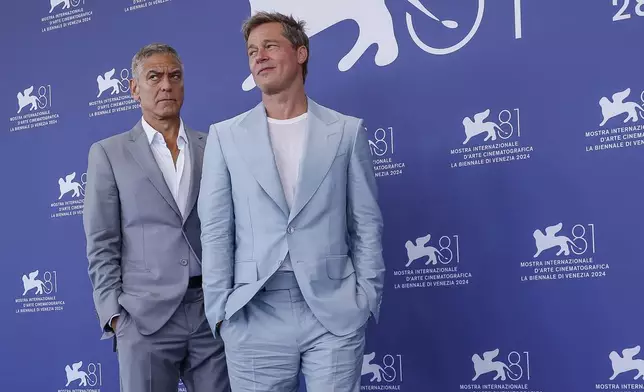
point(152, 133)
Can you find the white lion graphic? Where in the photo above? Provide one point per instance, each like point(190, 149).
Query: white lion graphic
point(618, 107)
point(68, 185)
point(74, 373)
point(55, 3)
point(106, 82)
point(487, 365)
point(372, 16)
point(550, 240)
point(626, 363)
point(479, 126)
point(419, 250)
point(30, 282)
point(374, 369)
point(25, 99)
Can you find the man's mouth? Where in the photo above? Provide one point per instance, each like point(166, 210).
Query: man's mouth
point(265, 69)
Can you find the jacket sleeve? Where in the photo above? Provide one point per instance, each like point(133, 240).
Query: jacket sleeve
point(364, 220)
point(215, 208)
point(102, 225)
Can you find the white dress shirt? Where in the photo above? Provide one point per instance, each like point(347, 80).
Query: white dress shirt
point(287, 140)
point(177, 177)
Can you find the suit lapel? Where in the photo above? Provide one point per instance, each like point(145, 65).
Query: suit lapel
point(142, 153)
point(254, 145)
point(324, 133)
point(196, 142)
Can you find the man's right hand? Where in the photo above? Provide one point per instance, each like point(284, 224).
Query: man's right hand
point(113, 325)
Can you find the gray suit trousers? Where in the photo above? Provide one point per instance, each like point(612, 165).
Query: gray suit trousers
point(183, 348)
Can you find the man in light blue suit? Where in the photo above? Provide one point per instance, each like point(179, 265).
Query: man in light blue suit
point(291, 228)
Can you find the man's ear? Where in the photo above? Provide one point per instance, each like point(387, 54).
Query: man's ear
point(302, 54)
point(134, 89)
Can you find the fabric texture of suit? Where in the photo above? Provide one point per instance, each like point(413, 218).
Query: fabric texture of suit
point(139, 246)
point(332, 233)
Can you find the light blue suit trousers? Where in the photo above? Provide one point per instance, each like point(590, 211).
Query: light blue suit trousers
point(276, 335)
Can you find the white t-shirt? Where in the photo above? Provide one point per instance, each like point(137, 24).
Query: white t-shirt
point(287, 139)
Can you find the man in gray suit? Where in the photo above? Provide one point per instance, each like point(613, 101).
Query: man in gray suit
point(291, 228)
point(143, 244)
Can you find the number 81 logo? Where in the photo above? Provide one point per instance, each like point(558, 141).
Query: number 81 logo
point(382, 142)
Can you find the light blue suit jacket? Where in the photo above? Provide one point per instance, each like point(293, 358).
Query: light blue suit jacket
point(333, 231)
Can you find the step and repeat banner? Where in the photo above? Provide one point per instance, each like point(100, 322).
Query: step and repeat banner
point(508, 141)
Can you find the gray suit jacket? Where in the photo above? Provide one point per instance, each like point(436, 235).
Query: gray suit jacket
point(138, 245)
point(333, 232)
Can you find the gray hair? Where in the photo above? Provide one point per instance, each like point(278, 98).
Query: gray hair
point(293, 30)
point(149, 50)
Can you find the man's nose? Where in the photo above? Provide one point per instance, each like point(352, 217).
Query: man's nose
point(261, 55)
point(165, 83)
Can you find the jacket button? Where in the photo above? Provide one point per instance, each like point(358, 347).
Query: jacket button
point(290, 230)
point(184, 262)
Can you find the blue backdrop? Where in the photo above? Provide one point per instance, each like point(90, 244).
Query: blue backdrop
point(507, 136)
